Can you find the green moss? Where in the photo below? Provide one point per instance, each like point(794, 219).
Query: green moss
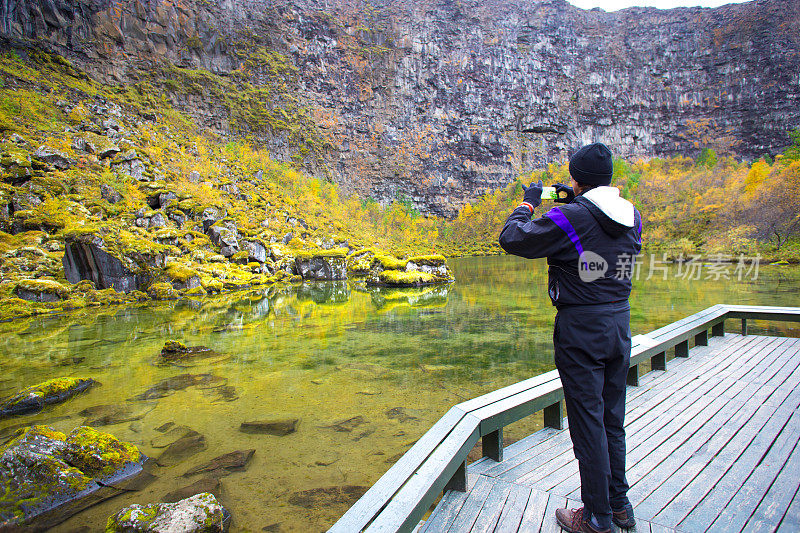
point(429, 260)
point(327, 254)
point(402, 278)
point(179, 272)
point(45, 286)
point(100, 454)
point(161, 291)
point(389, 262)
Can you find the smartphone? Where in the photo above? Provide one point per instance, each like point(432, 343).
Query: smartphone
point(549, 193)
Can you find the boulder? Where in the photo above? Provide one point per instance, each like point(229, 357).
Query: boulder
point(110, 194)
point(228, 243)
point(181, 449)
point(48, 476)
point(87, 256)
point(206, 484)
point(194, 177)
point(256, 251)
point(40, 290)
point(209, 217)
point(323, 497)
point(53, 158)
point(322, 265)
point(201, 513)
point(33, 399)
point(157, 221)
point(100, 146)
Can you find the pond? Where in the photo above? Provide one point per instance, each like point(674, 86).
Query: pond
point(363, 372)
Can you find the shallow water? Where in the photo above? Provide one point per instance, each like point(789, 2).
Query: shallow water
point(365, 373)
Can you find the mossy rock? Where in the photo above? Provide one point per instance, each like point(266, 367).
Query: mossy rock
point(33, 399)
point(434, 260)
point(161, 291)
point(201, 513)
point(46, 474)
point(41, 290)
point(401, 278)
point(389, 262)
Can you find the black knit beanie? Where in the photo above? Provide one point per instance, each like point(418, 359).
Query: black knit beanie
point(592, 165)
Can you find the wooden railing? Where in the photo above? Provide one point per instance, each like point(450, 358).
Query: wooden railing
point(437, 461)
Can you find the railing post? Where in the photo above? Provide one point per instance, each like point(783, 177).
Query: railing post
point(659, 361)
point(554, 416)
point(718, 329)
point(492, 444)
point(459, 480)
point(701, 339)
point(682, 349)
point(744, 326)
point(633, 376)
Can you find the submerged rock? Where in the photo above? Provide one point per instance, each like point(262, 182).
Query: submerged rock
point(167, 386)
point(201, 513)
point(48, 476)
point(34, 399)
point(278, 428)
point(171, 434)
point(107, 415)
point(208, 484)
point(327, 496)
point(182, 449)
point(348, 425)
point(224, 464)
point(175, 352)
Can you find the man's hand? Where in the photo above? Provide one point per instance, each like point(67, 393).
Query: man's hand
point(533, 193)
point(561, 188)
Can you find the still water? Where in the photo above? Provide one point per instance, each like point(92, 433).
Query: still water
point(365, 374)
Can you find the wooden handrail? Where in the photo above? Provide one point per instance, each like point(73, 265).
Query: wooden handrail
point(437, 461)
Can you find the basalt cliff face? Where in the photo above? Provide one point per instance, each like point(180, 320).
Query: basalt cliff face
point(439, 101)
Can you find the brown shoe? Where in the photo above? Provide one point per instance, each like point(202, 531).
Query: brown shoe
point(574, 521)
point(624, 517)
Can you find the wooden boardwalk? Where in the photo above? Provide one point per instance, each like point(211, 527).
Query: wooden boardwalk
point(712, 446)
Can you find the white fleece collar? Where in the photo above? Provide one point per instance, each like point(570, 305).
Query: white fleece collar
point(608, 200)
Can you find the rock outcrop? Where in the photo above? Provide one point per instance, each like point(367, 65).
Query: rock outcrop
point(46, 475)
point(437, 102)
point(87, 256)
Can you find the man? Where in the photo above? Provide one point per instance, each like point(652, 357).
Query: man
point(589, 243)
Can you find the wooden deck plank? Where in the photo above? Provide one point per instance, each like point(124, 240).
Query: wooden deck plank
point(779, 497)
point(549, 524)
point(534, 513)
point(718, 482)
point(671, 496)
point(472, 505)
point(790, 523)
point(447, 508)
point(752, 490)
point(492, 508)
point(512, 512)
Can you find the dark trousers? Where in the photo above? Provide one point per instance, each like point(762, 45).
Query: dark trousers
point(592, 353)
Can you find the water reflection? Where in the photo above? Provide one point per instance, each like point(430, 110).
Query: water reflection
point(363, 371)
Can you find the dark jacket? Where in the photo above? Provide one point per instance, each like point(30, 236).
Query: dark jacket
point(597, 229)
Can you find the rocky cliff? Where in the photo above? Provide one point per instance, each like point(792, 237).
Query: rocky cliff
point(439, 101)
